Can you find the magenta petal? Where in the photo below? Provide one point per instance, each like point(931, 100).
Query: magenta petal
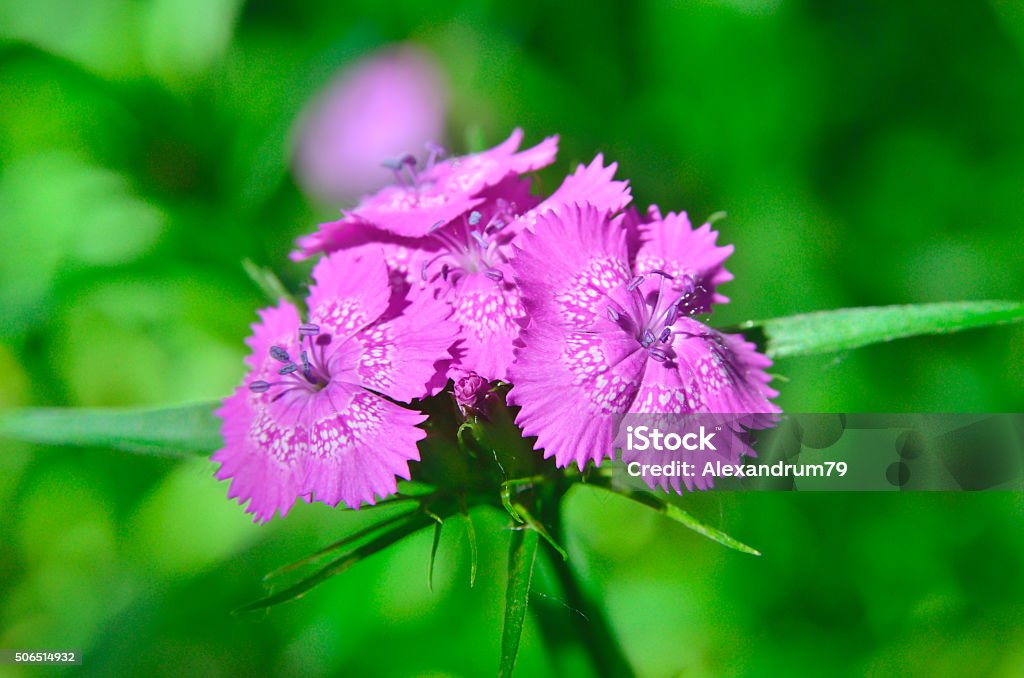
point(276, 326)
point(352, 289)
point(450, 188)
point(402, 356)
point(572, 265)
point(573, 388)
point(592, 184)
point(359, 444)
point(722, 373)
point(674, 246)
point(262, 457)
point(489, 315)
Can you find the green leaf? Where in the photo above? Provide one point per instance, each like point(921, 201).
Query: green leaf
point(539, 528)
point(474, 554)
point(680, 516)
point(848, 328)
point(345, 541)
point(176, 431)
point(267, 282)
point(522, 552)
point(433, 553)
point(415, 522)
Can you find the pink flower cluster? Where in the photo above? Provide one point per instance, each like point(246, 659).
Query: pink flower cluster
point(458, 274)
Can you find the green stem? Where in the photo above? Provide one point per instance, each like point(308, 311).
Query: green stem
point(587, 617)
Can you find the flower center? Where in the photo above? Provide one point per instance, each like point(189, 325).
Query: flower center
point(650, 317)
point(471, 245)
point(404, 166)
point(309, 373)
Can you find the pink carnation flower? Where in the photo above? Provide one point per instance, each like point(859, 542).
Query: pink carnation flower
point(609, 333)
point(464, 262)
point(316, 419)
point(424, 198)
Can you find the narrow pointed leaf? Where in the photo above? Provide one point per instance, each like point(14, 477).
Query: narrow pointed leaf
point(175, 431)
point(849, 328)
point(416, 522)
point(522, 553)
point(681, 516)
point(539, 528)
point(341, 543)
point(267, 282)
point(433, 555)
point(474, 555)
point(506, 501)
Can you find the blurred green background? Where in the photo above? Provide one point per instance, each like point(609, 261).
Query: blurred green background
point(866, 153)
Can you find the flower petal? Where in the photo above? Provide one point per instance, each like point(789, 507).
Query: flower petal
point(277, 326)
point(591, 184)
point(722, 373)
point(262, 456)
point(672, 245)
point(359, 443)
point(488, 314)
point(451, 187)
point(352, 290)
point(573, 388)
point(572, 266)
point(401, 356)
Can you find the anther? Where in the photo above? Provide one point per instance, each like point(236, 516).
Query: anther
point(635, 283)
point(689, 285)
point(259, 386)
point(474, 218)
point(279, 354)
point(658, 354)
point(666, 334)
point(309, 329)
point(672, 314)
point(288, 369)
point(613, 315)
point(648, 339)
point(494, 274)
point(480, 240)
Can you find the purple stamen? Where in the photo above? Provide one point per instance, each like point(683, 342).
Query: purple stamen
point(658, 354)
point(647, 339)
point(309, 330)
point(259, 386)
point(689, 285)
point(494, 274)
point(279, 354)
point(635, 283)
point(666, 334)
point(613, 315)
point(435, 153)
point(474, 218)
point(288, 369)
point(672, 314)
point(480, 240)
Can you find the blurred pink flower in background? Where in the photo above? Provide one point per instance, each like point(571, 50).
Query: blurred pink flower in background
point(389, 103)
